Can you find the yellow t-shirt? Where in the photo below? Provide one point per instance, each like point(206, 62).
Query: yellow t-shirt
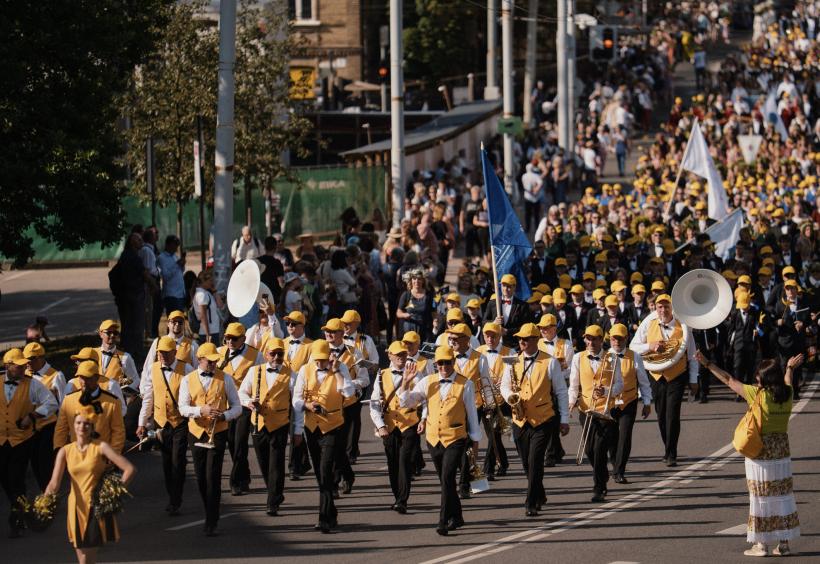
point(775, 415)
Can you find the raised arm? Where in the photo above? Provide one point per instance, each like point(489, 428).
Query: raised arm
point(720, 374)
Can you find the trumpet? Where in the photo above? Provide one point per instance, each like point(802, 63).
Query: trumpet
point(606, 371)
point(210, 442)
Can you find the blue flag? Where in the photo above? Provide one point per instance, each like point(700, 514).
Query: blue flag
point(510, 243)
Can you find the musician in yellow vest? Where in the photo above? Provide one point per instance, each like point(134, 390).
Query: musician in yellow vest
point(268, 326)
point(321, 388)
point(536, 379)
point(115, 364)
point(297, 353)
point(334, 334)
point(160, 393)
point(366, 349)
point(474, 367)
point(453, 317)
point(109, 425)
point(186, 345)
point(626, 405)
point(237, 358)
point(667, 386)
point(267, 391)
point(593, 372)
point(208, 399)
point(23, 402)
point(42, 456)
point(398, 427)
point(76, 383)
point(452, 427)
point(423, 366)
point(494, 352)
point(561, 350)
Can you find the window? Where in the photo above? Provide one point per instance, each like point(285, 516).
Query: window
point(302, 10)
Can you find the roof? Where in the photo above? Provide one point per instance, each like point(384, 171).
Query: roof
point(444, 127)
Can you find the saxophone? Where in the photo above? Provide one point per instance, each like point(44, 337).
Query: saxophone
point(514, 401)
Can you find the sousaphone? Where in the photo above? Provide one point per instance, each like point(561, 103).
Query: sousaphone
point(246, 288)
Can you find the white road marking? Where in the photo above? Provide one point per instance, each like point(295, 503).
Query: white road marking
point(712, 462)
point(200, 522)
point(731, 531)
point(623, 562)
point(54, 304)
point(15, 276)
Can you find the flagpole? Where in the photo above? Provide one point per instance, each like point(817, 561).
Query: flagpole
point(680, 169)
point(492, 248)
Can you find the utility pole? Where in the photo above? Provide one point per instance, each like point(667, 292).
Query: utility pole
point(529, 69)
point(561, 58)
point(224, 155)
point(571, 96)
point(509, 95)
point(199, 177)
point(491, 90)
point(396, 112)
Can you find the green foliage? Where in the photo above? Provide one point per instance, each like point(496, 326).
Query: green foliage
point(64, 63)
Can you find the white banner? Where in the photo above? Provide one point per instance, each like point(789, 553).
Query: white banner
point(726, 233)
point(749, 146)
point(197, 172)
point(698, 161)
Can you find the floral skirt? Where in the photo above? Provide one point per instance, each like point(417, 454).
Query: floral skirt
point(772, 508)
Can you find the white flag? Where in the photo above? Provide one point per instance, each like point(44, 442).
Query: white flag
point(749, 146)
point(726, 233)
point(698, 161)
point(772, 116)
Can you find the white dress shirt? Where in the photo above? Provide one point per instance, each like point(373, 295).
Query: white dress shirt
point(640, 345)
point(57, 385)
point(568, 354)
point(37, 394)
point(644, 387)
point(376, 396)
point(152, 356)
point(347, 388)
point(368, 347)
point(556, 376)
point(271, 373)
point(359, 375)
point(483, 366)
point(188, 409)
point(575, 377)
point(129, 368)
point(418, 395)
point(293, 346)
point(147, 391)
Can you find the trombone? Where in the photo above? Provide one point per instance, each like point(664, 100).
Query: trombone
point(606, 372)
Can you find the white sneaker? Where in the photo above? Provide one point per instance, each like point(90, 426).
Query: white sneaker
point(758, 549)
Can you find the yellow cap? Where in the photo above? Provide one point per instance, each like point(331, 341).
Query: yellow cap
point(235, 329)
point(658, 286)
point(729, 275)
point(88, 369)
point(745, 279)
point(618, 330)
point(320, 349)
point(474, 303)
point(611, 301)
point(560, 261)
point(617, 286)
point(764, 271)
point(453, 297)
point(274, 344)
point(598, 294)
point(33, 350)
point(351, 316)
point(535, 298)
point(588, 276)
point(528, 330)
point(444, 353)
point(460, 329)
point(636, 277)
point(593, 331)
point(600, 283)
point(397, 347)
point(455, 314)
point(543, 288)
point(509, 280)
point(176, 314)
point(559, 295)
point(411, 337)
point(765, 250)
point(791, 284)
point(638, 289)
point(547, 300)
point(208, 350)
point(295, 317)
point(565, 281)
point(576, 289)
point(109, 324)
point(700, 206)
point(85, 353)
point(15, 356)
point(788, 270)
point(333, 325)
point(547, 320)
point(166, 344)
point(491, 327)
point(663, 298)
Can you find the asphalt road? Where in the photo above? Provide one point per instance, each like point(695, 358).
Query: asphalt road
point(696, 512)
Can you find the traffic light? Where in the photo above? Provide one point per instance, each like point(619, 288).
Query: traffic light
point(384, 72)
point(609, 43)
point(603, 42)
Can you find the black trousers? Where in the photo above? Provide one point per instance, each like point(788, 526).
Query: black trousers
point(299, 459)
point(133, 404)
point(743, 367)
point(601, 437)
point(238, 433)
point(447, 461)
point(668, 397)
point(13, 463)
point(400, 447)
point(704, 381)
point(270, 452)
point(208, 470)
point(43, 454)
point(132, 317)
point(174, 448)
point(354, 412)
point(531, 443)
point(555, 450)
point(621, 445)
point(322, 448)
point(532, 214)
point(494, 437)
point(343, 470)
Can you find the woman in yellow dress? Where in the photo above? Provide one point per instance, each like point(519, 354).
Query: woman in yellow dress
point(86, 460)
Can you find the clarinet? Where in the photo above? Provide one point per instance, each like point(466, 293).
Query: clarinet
point(256, 400)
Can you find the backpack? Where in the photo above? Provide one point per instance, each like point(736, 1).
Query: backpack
point(116, 280)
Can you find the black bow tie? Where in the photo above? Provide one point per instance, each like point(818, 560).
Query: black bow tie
point(620, 355)
point(461, 356)
point(108, 353)
point(530, 357)
point(295, 341)
point(349, 338)
point(492, 351)
point(667, 327)
point(549, 343)
point(273, 370)
point(338, 351)
point(11, 382)
point(444, 381)
point(595, 358)
point(208, 374)
point(167, 369)
point(397, 371)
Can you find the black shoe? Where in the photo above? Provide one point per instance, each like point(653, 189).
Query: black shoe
point(401, 508)
point(173, 510)
point(442, 531)
point(347, 487)
point(665, 459)
point(417, 472)
point(704, 399)
point(294, 477)
point(353, 459)
point(671, 462)
point(273, 511)
point(598, 497)
point(236, 490)
point(210, 530)
point(502, 471)
point(15, 533)
point(465, 494)
point(738, 399)
point(246, 487)
point(336, 493)
point(490, 478)
point(322, 526)
point(549, 463)
point(454, 523)
point(531, 512)
point(619, 479)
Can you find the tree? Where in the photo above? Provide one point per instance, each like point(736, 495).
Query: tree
point(64, 63)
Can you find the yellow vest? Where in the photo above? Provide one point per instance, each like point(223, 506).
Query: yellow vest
point(109, 424)
point(558, 351)
point(275, 410)
point(301, 356)
point(496, 369)
point(535, 390)
point(421, 365)
point(11, 412)
point(249, 356)
point(654, 333)
point(587, 377)
point(215, 397)
point(349, 360)
point(630, 376)
point(325, 394)
point(184, 351)
point(114, 369)
point(447, 418)
point(47, 380)
point(472, 372)
point(165, 410)
point(395, 415)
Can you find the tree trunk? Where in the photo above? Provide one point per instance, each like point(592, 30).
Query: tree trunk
point(248, 210)
point(179, 221)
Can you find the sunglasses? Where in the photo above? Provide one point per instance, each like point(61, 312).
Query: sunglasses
point(112, 333)
point(444, 363)
point(293, 324)
point(276, 353)
point(229, 338)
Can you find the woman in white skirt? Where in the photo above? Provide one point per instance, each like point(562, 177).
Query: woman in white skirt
point(772, 509)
